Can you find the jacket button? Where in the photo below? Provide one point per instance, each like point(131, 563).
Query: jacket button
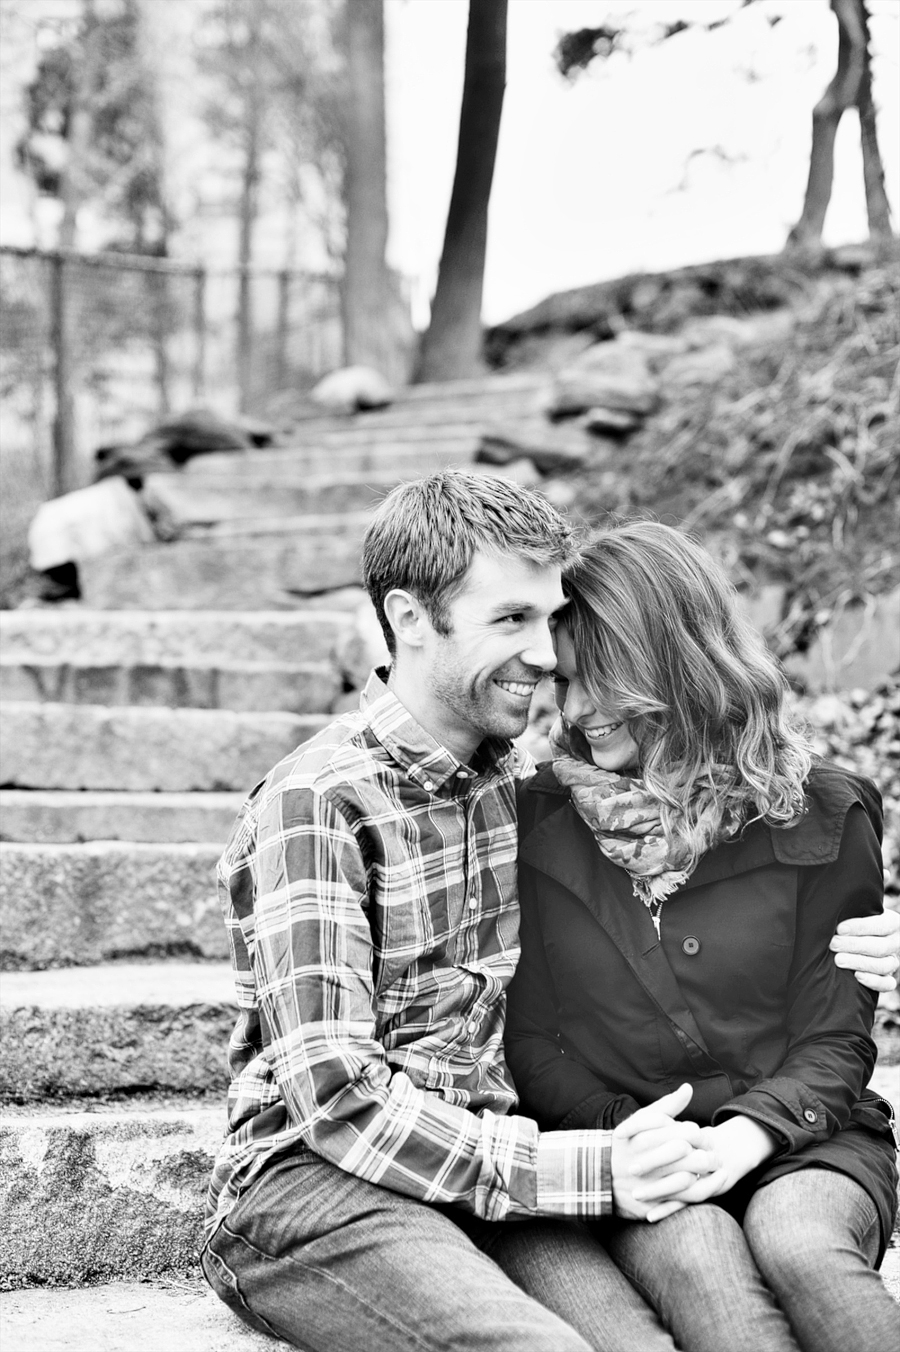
point(810, 1116)
point(691, 946)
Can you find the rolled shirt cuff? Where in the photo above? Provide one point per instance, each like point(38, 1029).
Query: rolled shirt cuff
point(574, 1173)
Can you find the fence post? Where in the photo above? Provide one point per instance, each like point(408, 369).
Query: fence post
point(284, 308)
point(244, 337)
point(200, 331)
point(63, 422)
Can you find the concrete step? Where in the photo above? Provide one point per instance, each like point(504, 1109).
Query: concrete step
point(308, 689)
point(68, 816)
point(87, 746)
point(179, 1314)
point(136, 637)
point(196, 499)
point(119, 1191)
point(388, 452)
point(113, 1192)
point(269, 571)
point(119, 1027)
point(104, 899)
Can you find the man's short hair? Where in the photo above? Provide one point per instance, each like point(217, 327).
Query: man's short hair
point(425, 533)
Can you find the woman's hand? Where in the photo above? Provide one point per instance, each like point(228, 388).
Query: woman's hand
point(869, 945)
point(654, 1157)
point(732, 1149)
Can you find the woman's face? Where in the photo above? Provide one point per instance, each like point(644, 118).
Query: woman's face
point(612, 746)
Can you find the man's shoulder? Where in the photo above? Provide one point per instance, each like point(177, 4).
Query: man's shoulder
point(340, 756)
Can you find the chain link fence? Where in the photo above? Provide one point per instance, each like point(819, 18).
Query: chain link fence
point(96, 348)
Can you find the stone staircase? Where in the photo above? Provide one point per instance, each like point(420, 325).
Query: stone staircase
point(134, 723)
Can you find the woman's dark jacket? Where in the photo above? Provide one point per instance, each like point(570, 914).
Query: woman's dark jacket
point(741, 997)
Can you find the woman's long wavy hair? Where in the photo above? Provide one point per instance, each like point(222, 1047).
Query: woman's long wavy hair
point(659, 638)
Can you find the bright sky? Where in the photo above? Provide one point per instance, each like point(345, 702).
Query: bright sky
point(592, 177)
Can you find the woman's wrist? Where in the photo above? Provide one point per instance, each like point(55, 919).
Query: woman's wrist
point(742, 1144)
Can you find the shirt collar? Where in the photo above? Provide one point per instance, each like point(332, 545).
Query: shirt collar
point(425, 761)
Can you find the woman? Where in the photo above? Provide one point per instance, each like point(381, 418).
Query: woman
point(683, 864)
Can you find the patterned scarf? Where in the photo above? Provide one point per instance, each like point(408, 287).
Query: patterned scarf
point(624, 819)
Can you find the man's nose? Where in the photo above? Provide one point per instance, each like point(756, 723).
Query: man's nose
point(540, 652)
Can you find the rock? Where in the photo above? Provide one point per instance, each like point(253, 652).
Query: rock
point(199, 431)
point(523, 471)
point(352, 388)
point(610, 421)
point(607, 375)
point(859, 647)
point(704, 366)
point(768, 327)
point(84, 524)
point(548, 448)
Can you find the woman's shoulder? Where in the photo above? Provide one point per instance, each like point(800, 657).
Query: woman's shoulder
point(538, 797)
point(831, 791)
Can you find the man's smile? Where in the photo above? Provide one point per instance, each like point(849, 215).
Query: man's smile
point(523, 689)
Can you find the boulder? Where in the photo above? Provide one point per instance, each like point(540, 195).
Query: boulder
point(611, 421)
point(352, 388)
point(84, 524)
point(608, 375)
point(198, 431)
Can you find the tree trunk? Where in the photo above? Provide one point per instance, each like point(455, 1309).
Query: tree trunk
point(74, 187)
point(851, 86)
point(451, 348)
point(878, 211)
point(364, 294)
point(248, 212)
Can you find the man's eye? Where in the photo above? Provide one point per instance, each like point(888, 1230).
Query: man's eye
point(515, 618)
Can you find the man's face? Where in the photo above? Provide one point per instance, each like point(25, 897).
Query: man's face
point(480, 677)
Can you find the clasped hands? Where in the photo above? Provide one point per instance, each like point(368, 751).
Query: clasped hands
point(660, 1165)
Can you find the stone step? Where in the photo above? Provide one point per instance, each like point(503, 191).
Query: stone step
point(196, 499)
point(67, 816)
point(119, 1192)
point(136, 637)
point(104, 899)
point(386, 453)
point(87, 746)
point(178, 1315)
point(112, 1192)
point(309, 689)
point(272, 570)
point(119, 1027)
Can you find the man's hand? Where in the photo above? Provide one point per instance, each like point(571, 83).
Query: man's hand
point(732, 1149)
point(869, 946)
point(654, 1157)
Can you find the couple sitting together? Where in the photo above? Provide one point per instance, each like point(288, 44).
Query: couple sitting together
point(568, 1059)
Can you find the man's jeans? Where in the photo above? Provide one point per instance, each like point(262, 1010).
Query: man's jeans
point(807, 1246)
point(333, 1264)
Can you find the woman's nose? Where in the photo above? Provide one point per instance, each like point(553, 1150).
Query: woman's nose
point(577, 704)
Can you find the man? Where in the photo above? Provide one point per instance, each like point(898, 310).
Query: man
point(377, 1189)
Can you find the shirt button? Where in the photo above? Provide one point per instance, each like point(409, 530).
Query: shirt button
point(428, 786)
point(473, 903)
point(472, 1026)
point(810, 1116)
point(691, 946)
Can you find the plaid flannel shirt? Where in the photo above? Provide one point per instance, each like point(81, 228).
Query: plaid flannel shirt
point(369, 891)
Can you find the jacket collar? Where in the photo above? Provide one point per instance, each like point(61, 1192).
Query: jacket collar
point(815, 839)
point(425, 761)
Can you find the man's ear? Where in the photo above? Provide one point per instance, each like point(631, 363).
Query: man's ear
point(406, 616)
